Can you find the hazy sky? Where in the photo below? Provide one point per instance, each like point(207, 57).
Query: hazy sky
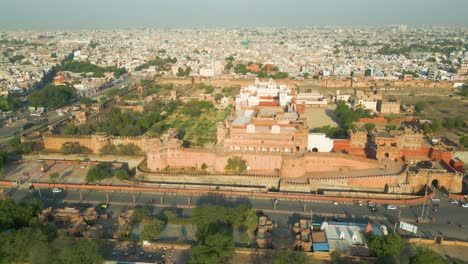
point(77, 14)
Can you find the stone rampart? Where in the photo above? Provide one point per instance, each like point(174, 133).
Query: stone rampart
point(92, 142)
point(266, 181)
point(132, 161)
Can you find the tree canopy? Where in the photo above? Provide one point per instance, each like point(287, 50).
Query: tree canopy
point(52, 96)
point(236, 165)
point(74, 148)
point(3, 159)
point(347, 116)
point(214, 230)
point(390, 245)
point(99, 172)
point(85, 67)
point(152, 229)
point(425, 255)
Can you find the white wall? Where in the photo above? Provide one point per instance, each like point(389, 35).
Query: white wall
point(319, 141)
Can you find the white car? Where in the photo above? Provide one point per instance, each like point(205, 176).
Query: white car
point(391, 207)
point(57, 190)
point(465, 205)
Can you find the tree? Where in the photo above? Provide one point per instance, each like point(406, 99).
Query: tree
point(464, 90)
point(464, 141)
point(390, 245)
point(369, 126)
point(140, 215)
point(99, 172)
point(389, 127)
point(3, 159)
point(152, 229)
point(122, 174)
point(289, 257)
point(74, 148)
point(87, 101)
point(368, 72)
point(52, 96)
point(236, 165)
point(216, 248)
point(204, 166)
point(420, 106)
point(218, 97)
point(83, 251)
point(70, 129)
point(425, 255)
point(54, 176)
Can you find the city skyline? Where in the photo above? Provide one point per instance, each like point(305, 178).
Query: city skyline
point(106, 14)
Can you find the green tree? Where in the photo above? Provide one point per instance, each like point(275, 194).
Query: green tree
point(152, 230)
point(464, 141)
point(99, 172)
point(216, 248)
point(389, 127)
point(369, 126)
point(70, 129)
point(464, 90)
point(74, 148)
point(390, 245)
point(140, 215)
point(368, 72)
point(3, 159)
point(52, 96)
point(236, 165)
point(218, 97)
point(425, 255)
point(122, 174)
point(420, 106)
point(54, 176)
point(83, 251)
point(87, 101)
point(108, 149)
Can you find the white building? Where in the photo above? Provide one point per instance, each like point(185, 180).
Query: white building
point(207, 72)
point(319, 142)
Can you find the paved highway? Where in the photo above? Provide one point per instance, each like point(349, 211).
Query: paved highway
point(281, 213)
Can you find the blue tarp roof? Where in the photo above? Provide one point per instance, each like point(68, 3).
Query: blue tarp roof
point(320, 247)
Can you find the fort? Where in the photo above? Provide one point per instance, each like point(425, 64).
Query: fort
point(332, 82)
point(272, 137)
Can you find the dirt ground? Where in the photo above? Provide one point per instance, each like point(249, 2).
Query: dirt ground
point(319, 117)
point(454, 253)
point(257, 258)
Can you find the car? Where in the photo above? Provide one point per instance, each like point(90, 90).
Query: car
point(391, 207)
point(454, 201)
point(373, 208)
point(57, 190)
point(104, 206)
point(464, 205)
point(359, 203)
point(335, 202)
point(370, 204)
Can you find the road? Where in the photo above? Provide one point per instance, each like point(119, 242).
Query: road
point(282, 214)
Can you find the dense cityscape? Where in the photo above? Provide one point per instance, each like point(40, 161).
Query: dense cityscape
point(256, 144)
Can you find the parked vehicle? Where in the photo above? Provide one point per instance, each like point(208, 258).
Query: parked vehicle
point(391, 207)
point(464, 205)
point(57, 190)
